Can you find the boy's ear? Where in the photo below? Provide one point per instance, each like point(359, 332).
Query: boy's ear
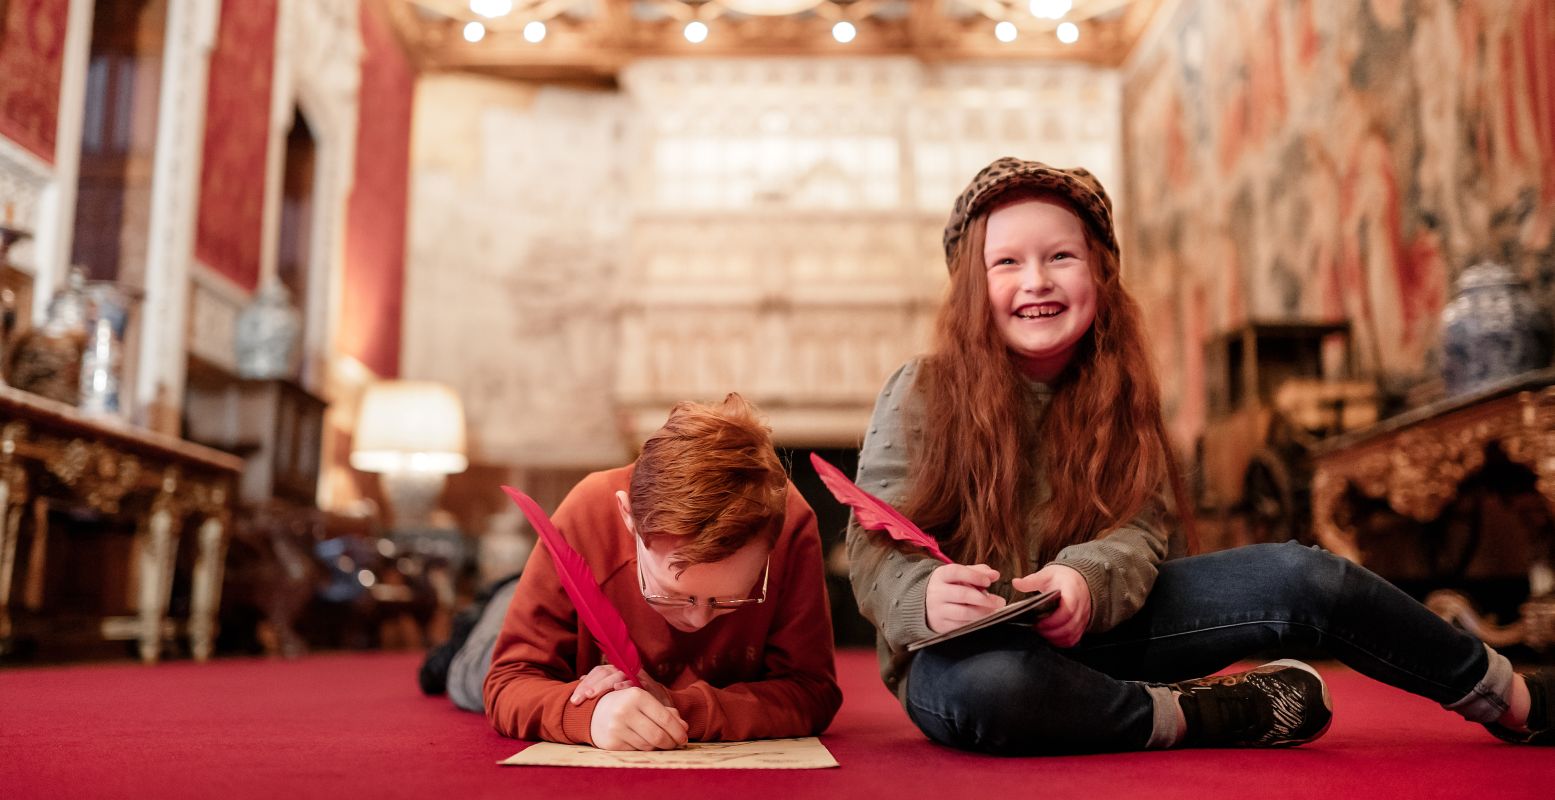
point(625, 509)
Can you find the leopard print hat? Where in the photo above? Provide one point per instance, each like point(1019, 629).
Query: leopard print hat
point(1008, 174)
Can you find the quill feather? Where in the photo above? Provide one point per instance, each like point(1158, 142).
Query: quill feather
point(598, 615)
point(872, 512)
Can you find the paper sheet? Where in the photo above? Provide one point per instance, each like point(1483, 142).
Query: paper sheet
point(805, 753)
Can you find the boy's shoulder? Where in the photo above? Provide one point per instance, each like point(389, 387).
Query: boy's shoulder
point(604, 483)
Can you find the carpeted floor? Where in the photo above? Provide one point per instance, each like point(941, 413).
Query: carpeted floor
point(354, 725)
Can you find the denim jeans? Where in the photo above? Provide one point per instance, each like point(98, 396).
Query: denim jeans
point(1008, 691)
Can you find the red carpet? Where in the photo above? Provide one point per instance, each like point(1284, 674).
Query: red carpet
point(355, 726)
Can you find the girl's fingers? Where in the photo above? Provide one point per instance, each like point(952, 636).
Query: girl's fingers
point(967, 596)
point(962, 614)
point(978, 576)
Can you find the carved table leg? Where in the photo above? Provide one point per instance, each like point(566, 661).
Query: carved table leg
point(156, 571)
point(207, 586)
point(10, 533)
point(38, 556)
point(13, 496)
point(1326, 493)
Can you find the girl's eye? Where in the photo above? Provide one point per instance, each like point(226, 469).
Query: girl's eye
point(1062, 255)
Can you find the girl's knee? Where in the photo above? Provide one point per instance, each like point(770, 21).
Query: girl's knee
point(992, 702)
point(1300, 575)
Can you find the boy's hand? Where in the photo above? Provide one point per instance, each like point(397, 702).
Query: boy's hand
point(631, 719)
point(1068, 622)
point(957, 595)
point(601, 679)
point(654, 688)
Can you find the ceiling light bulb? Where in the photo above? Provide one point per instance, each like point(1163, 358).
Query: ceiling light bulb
point(1068, 33)
point(696, 31)
point(1051, 9)
point(1005, 31)
point(534, 32)
point(844, 32)
point(492, 9)
point(474, 32)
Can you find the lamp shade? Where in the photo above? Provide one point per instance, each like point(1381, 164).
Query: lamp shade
point(409, 426)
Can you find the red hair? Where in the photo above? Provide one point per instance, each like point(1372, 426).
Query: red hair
point(1101, 447)
point(711, 479)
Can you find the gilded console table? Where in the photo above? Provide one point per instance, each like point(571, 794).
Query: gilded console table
point(1415, 461)
point(52, 454)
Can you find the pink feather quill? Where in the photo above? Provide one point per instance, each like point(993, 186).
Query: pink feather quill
point(598, 615)
point(873, 513)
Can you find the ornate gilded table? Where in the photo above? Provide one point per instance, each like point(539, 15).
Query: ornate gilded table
point(1415, 461)
point(51, 454)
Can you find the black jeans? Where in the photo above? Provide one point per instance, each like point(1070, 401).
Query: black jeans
point(1009, 691)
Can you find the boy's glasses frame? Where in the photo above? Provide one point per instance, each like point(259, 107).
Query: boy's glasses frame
point(665, 601)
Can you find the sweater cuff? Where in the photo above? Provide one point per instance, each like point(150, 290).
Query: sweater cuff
point(692, 704)
point(1097, 582)
point(578, 720)
point(909, 610)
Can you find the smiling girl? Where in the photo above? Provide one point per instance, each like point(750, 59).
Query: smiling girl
point(1030, 443)
point(713, 559)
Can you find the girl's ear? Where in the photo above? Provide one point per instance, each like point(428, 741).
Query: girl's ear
point(625, 509)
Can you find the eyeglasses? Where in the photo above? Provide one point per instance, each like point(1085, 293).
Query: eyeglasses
point(665, 601)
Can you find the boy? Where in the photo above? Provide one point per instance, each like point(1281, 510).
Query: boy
point(714, 561)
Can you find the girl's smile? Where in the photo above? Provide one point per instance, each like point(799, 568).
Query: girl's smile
point(1040, 289)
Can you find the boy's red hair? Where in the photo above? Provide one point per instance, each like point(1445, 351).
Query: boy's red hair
point(710, 478)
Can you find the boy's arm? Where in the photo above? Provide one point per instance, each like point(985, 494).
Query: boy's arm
point(532, 673)
point(799, 696)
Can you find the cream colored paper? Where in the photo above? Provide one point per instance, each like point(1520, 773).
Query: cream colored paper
point(805, 753)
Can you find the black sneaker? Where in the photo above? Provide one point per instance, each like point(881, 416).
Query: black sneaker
point(433, 675)
point(1541, 727)
point(1279, 704)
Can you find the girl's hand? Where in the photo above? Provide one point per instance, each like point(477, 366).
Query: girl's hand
point(632, 719)
point(957, 595)
point(1068, 622)
point(601, 679)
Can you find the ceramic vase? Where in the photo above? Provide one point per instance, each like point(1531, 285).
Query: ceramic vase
point(1492, 329)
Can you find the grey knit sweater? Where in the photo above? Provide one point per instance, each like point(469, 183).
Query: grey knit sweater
point(1120, 567)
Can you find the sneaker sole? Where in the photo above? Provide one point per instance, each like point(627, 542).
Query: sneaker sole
point(1328, 703)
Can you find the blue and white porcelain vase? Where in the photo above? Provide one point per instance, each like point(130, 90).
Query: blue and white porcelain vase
point(1492, 329)
point(267, 332)
point(102, 359)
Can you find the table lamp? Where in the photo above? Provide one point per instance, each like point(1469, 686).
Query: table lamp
point(412, 434)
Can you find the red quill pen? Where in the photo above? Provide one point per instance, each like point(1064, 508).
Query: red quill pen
point(598, 615)
point(872, 512)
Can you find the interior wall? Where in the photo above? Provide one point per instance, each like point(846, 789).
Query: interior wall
point(237, 128)
point(376, 212)
point(580, 260)
point(32, 55)
point(1337, 160)
point(517, 226)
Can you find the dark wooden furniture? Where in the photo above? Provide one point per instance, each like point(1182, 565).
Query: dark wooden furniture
point(277, 426)
point(1416, 462)
point(54, 458)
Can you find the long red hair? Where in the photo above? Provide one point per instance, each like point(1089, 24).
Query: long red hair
point(1101, 447)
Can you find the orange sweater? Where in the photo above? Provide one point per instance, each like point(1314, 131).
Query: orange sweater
point(761, 672)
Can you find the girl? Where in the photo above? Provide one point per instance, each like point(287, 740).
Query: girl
point(1030, 442)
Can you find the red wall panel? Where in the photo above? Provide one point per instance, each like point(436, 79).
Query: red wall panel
point(237, 121)
point(32, 54)
point(376, 213)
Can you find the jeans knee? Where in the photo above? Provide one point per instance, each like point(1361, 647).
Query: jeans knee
point(1301, 578)
point(992, 702)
